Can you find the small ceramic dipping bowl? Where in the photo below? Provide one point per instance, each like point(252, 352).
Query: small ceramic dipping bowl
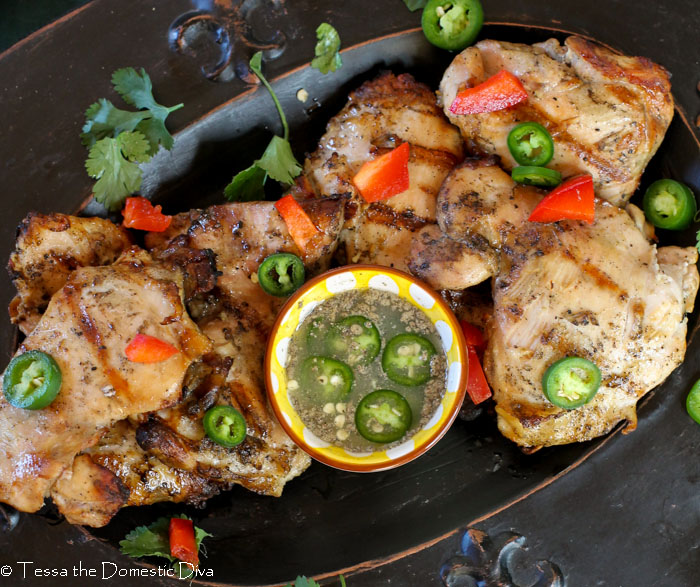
point(418, 294)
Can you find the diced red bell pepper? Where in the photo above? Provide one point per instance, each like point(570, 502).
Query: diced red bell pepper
point(183, 545)
point(140, 214)
point(148, 349)
point(477, 387)
point(572, 200)
point(499, 92)
point(385, 176)
point(473, 336)
point(300, 226)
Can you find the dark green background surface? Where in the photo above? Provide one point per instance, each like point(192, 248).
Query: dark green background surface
point(19, 18)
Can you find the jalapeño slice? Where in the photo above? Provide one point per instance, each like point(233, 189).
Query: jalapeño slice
point(669, 204)
point(530, 144)
point(692, 402)
point(383, 416)
point(32, 380)
point(354, 339)
point(225, 425)
point(452, 24)
point(326, 380)
point(281, 274)
point(571, 382)
point(537, 176)
point(406, 359)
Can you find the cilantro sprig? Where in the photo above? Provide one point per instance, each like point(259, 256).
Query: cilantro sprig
point(327, 49)
point(119, 140)
point(153, 540)
point(277, 162)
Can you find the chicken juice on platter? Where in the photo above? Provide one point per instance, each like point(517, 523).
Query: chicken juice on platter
point(366, 368)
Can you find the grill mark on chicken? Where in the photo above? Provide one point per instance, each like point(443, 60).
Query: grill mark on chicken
point(608, 169)
point(602, 280)
point(383, 214)
point(92, 335)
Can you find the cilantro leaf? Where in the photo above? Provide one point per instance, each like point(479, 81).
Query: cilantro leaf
point(114, 163)
point(156, 134)
point(326, 51)
point(414, 5)
point(136, 90)
point(154, 540)
point(148, 540)
point(279, 161)
point(247, 185)
point(697, 236)
point(104, 119)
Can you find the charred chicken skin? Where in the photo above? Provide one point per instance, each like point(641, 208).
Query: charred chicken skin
point(49, 247)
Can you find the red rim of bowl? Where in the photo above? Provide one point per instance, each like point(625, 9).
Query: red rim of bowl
point(439, 433)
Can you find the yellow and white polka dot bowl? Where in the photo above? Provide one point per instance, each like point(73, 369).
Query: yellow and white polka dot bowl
point(407, 287)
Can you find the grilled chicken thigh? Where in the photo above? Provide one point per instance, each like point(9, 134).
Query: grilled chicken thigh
point(166, 456)
point(86, 328)
point(600, 291)
point(379, 116)
point(49, 247)
point(477, 205)
point(241, 235)
point(607, 113)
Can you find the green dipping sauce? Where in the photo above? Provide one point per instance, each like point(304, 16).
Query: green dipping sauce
point(366, 370)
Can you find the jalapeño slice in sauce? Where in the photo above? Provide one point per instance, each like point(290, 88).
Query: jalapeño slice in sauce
point(452, 24)
point(530, 144)
point(571, 382)
point(281, 274)
point(225, 425)
point(537, 176)
point(383, 416)
point(325, 379)
point(32, 380)
point(669, 204)
point(354, 339)
point(406, 359)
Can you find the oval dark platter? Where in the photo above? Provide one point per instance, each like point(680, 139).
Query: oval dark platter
point(404, 526)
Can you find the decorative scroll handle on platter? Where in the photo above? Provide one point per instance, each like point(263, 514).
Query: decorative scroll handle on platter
point(499, 562)
point(222, 35)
